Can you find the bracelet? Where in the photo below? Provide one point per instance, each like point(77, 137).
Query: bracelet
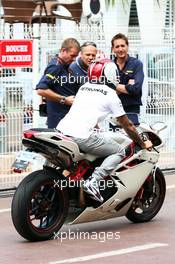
point(63, 99)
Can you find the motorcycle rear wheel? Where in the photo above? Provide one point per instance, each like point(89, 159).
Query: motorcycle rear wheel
point(144, 208)
point(39, 205)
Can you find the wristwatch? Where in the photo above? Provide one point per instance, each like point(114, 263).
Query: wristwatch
point(63, 99)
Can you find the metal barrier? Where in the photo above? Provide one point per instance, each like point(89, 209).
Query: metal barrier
point(12, 126)
point(16, 93)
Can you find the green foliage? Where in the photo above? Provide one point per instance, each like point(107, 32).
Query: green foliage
point(113, 2)
point(110, 2)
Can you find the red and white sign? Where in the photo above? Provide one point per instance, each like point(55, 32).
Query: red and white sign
point(16, 53)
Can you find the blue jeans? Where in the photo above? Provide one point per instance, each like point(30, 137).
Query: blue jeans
point(134, 118)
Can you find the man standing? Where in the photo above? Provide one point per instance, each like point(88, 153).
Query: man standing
point(131, 77)
point(55, 84)
point(79, 68)
point(94, 101)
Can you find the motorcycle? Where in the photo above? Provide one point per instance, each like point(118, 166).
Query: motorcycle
point(49, 197)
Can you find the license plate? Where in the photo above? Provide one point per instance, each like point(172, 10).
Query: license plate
point(23, 159)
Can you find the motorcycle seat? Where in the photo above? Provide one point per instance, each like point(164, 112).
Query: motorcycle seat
point(42, 129)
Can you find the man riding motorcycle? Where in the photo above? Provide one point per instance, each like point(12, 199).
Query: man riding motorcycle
point(94, 101)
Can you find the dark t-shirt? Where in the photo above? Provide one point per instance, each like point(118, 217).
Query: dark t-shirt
point(79, 72)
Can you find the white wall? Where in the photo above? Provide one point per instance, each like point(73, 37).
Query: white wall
point(116, 19)
point(151, 19)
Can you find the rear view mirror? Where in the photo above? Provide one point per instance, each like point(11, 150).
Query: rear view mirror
point(158, 126)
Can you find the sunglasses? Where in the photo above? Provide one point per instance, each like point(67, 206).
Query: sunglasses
point(88, 43)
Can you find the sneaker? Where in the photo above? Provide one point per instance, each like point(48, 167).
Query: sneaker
point(91, 187)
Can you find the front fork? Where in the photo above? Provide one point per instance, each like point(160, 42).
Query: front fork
point(154, 178)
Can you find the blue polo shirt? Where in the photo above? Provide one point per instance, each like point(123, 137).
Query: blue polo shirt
point(133, 69)
point(57, 78)
point(79, 72)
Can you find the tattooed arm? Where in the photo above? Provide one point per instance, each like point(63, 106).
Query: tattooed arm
point(130, 129)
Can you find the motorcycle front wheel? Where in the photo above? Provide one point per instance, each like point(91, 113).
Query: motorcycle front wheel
point(39, 205)
point(149, 199)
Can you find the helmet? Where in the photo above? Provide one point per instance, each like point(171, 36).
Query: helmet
point(104, 71)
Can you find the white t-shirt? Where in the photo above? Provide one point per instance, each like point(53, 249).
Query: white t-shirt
point(92, 104)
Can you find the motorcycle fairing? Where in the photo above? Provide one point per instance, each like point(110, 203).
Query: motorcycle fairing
point(128, 183)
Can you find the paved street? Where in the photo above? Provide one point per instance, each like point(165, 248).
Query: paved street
point(111, 241)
